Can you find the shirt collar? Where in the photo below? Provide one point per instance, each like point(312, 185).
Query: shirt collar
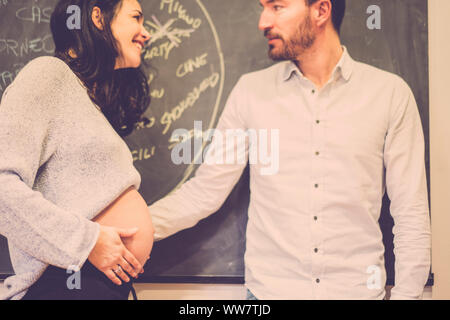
point(343, 68)
point(345, 65)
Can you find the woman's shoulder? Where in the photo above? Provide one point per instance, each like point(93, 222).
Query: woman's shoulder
point(42, 85)
point(45, 70)
point(46, 63)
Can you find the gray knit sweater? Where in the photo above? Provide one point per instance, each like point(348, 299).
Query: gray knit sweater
point(61, 163)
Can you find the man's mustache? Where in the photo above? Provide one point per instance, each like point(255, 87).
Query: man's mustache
point(270, 35)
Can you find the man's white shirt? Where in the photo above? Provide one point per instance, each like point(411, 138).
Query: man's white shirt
point(313, 229)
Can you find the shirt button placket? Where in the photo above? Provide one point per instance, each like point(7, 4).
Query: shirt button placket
point(317, 186)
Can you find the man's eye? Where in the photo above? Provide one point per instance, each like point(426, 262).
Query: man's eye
point(137, 17)
point(276, 8)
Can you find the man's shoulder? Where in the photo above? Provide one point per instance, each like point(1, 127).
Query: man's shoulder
point(367, 72)
point(382, 83)
point(271, 70)
point(264, 76)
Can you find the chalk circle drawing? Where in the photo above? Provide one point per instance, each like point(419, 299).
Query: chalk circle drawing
point(186, 76)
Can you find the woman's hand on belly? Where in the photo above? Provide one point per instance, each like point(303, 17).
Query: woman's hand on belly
point(110, 253)
point(130, 210)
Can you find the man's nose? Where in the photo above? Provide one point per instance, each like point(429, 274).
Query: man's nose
point(265, 21)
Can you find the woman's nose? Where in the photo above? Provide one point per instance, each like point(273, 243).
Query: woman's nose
point(145, 34)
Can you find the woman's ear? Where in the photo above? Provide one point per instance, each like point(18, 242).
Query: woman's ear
point(97, 18)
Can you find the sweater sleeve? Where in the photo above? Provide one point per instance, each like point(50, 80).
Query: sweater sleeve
point(34, 224)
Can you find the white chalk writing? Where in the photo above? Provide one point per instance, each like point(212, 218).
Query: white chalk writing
point(25, 46)
point(143, 153)
point(169, 117)
point(190, 65)
point(7, 77)
point(175, 7)
point(34, 14)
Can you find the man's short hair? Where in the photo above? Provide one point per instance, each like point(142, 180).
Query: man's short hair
point(337, 14)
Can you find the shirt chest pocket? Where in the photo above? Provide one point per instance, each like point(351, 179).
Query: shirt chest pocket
point(356, 139)
point(354, 153)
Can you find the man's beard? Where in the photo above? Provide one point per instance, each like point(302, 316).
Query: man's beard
point(302, 40)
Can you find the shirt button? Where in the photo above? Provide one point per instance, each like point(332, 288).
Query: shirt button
point(315, 218)
point(317, 280)
point(317, 121)
point(317, 153)
point(316, 185)
point(316, 250)
point(313, 91)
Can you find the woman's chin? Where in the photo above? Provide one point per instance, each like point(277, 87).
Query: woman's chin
point(135, 63)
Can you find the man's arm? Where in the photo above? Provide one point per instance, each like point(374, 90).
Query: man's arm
point(407, 189)
point(205, 193)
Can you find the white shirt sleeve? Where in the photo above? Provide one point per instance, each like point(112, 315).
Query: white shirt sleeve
point(406, 184)
point(205, 193)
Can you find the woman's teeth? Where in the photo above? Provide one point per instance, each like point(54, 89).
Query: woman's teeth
point(138, 45)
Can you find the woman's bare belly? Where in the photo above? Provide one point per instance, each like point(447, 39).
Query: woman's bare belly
point(128, 211)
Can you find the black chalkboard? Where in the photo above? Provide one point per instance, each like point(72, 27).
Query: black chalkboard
point(199, 50)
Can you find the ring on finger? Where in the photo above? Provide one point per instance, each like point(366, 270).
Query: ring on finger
point(118, 269)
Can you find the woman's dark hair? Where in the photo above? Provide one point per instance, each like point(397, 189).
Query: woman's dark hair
point(337, 13)
point(123, 94)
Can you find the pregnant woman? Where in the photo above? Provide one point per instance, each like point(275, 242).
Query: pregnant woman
point(68, 187)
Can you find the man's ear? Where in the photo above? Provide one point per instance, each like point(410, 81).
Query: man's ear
point(321, 12)
point(97, 18)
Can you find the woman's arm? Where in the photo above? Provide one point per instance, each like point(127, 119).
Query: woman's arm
point(34, 224)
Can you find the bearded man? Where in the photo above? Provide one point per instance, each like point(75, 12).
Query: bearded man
point(348, 132)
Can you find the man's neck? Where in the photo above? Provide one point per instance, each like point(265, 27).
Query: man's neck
point(318, 62)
